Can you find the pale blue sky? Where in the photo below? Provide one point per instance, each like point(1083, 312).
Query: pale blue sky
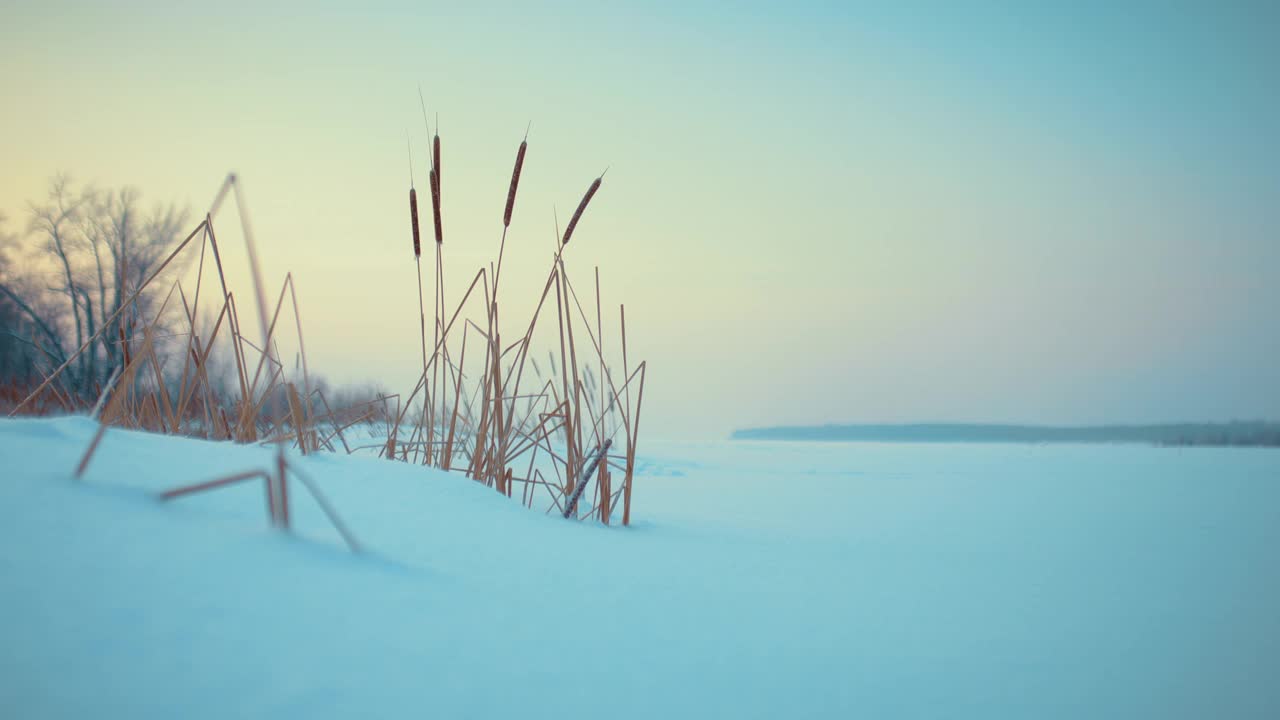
point(815, 212)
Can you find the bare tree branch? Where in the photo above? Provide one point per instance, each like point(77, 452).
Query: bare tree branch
point(35, 317)
point(98, 244)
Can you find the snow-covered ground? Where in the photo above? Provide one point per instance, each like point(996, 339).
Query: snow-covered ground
point(759, 580)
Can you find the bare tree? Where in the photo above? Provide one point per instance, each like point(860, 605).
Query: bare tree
point(84, 252)
point(17, 369)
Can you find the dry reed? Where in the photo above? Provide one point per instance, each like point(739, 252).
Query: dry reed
point(482, 425)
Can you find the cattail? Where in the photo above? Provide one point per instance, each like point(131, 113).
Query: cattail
point(515, 181)
point(435, 155)
point(435, 205)
point(577, 214)
point(413, 214)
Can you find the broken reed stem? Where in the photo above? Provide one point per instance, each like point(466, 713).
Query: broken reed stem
point(328, 509)
point(588, 468)
point(336, 429)
point(211, 484)
point(106, 391)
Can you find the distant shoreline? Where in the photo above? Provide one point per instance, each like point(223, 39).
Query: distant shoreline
point(1233, 434)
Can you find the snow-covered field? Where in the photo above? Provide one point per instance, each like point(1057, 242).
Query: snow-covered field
point(759, 580)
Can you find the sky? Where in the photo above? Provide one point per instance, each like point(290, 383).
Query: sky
point(813, 212)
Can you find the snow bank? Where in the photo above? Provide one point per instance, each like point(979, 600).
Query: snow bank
point(763, 580)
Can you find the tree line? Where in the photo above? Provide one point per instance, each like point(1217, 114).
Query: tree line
point(65, 273)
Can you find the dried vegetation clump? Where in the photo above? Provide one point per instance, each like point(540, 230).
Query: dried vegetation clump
point(481, 407)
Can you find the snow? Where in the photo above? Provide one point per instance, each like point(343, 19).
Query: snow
point(759, 580)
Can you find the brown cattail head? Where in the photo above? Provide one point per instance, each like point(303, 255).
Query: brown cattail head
point(413, 214)
point(435, 205)
point(577, 214)
point(515, 181)
point(435, 154)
